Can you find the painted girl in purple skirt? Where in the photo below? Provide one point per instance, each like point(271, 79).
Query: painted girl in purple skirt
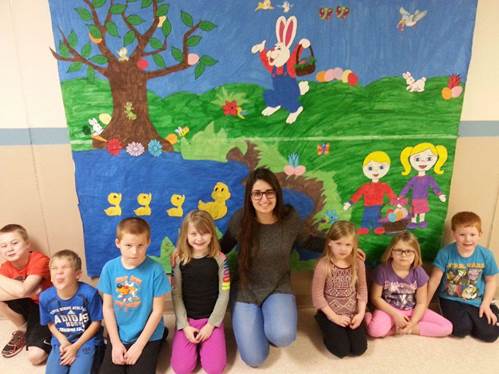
point(422, 157)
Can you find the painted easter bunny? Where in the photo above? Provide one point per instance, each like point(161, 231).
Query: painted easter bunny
point(280, 63)
point(412, 84)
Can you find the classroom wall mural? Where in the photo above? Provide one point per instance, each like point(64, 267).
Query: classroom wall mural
point(355, 105)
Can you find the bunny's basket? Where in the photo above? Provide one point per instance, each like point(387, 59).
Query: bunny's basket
point(305, 65)
point(396, 220)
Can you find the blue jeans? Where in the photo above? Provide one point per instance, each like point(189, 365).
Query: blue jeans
point(82, 364)
point(257, 326)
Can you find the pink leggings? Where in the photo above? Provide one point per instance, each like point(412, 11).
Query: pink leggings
point(431, 324)
point(212, 351)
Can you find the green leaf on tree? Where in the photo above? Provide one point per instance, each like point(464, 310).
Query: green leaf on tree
point(166, 28)
point(186, 18)
point(84, 14)
point(155, 43)
point(99, 3)
point(85, 51)
point(94, 31)
point(135, 19)
point(118, 8)
point(177, 54)
point(199, 70)
point(63, 49)
point(207, 26)
point(207, 60)
point(75, 66)
point(128, 38)
point(90, 74)
point(99, 59)
point(162, 10)
point(73, 39)
point(159, 60)
point(146, 3)
point(193, 40)
point(112, 29)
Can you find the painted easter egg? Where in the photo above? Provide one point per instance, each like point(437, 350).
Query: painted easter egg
point(353, 79)
point(446, 93)
point(172, 139)
point(456, 91)
point(337, 73)
point(392, 217)
point(94, 40)
point(344, 76)
point(328, 75)
point(105, 118)
point(320, 76)
point(142, 64)
point(162, 19)
point(192, 59)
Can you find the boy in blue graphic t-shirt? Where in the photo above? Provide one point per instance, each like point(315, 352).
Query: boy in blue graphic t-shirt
point(73, 312)
point(465, 274)
point(134, 289)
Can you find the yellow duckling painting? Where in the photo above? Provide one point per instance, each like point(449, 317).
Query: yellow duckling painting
point(114, 198)
point(144, 199)
point(217, 207)
point(177, 201)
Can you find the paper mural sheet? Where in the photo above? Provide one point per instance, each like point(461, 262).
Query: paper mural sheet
point(355, 105)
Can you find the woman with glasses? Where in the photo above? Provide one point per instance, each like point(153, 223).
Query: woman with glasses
point(265, 230)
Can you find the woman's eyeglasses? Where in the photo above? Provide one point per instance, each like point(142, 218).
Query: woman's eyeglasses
point(257, 194)
point(404, 252)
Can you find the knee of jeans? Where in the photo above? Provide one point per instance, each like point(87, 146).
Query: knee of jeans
point(281, 337)
point(36, 356)
point(254, 358)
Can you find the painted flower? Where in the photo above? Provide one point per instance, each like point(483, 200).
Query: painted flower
point(114, 146)
point(135, 149)
point(230, 108)
point(155, 148)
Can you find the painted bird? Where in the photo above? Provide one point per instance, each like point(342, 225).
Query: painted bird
point(408, 19)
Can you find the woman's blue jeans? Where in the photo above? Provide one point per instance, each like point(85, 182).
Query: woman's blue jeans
point(256, 326)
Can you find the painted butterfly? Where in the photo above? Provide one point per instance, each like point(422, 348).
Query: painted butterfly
point(325, 13)
point(323, 149)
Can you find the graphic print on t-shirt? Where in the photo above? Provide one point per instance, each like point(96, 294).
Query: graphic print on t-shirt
point(400, 295)
point(128, 288)
point(462, 280)
point(71, 320)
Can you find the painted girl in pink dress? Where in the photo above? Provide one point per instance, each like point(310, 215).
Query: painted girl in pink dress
point(422, 157)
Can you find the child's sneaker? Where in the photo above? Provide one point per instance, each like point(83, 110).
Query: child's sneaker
point(15, 345)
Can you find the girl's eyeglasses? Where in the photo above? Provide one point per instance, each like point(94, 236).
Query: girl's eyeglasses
point(404, 252)
point(257, 194)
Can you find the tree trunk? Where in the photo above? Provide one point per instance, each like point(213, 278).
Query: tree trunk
point(130, 120)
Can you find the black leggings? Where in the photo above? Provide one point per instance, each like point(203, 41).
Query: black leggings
point(466, 321)
point(342, 341)
point(146, 364)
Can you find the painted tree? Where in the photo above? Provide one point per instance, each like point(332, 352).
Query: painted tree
point(128, 71)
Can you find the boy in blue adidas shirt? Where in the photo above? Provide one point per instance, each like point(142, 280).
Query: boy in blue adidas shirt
point(465, 274)
point(134, 289)
point(73, 312)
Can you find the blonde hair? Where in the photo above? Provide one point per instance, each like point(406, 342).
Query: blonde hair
point(69, 255)
point(377, 156)
point(338, 230)
point(466, 219)
point(438, 150)
point(203, 223)
point(134, 226)
point(408, 238)
point(13, 227)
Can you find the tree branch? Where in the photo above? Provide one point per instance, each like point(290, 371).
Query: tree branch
point(144, 39)
point(102, 45)
point(109, 15)
point(79, 58)
point(150, 53)
point(181, 65)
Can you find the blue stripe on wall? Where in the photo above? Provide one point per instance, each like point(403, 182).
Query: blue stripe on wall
point(53, 136)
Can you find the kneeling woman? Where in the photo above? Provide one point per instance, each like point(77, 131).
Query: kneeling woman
point(266, 230)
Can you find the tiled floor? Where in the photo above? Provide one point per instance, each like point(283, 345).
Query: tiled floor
point(403, 354)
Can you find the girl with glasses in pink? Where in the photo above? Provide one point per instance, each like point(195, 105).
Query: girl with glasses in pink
point(399, 294)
